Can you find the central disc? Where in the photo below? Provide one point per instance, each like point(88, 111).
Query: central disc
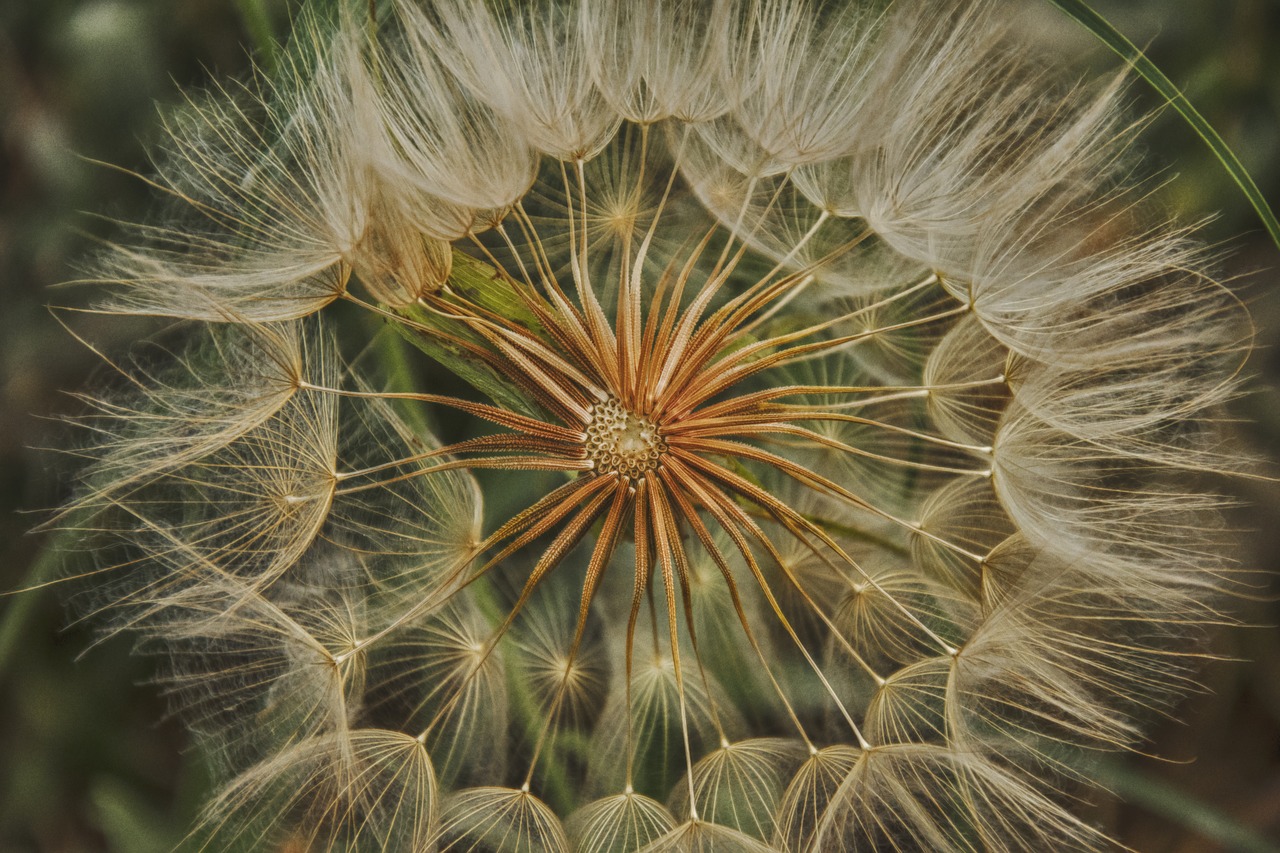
point(619, 441)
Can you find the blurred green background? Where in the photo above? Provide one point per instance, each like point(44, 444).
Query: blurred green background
point(87, 760)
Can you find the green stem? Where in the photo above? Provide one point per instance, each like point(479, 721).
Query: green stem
point(257, 22)
point(1114, 39)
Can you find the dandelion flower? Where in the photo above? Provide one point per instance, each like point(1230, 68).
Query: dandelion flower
point(779, 428)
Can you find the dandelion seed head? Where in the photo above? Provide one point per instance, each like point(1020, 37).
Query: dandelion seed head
point(831, 441)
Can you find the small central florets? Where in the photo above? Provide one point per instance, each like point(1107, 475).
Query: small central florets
point(620, 441)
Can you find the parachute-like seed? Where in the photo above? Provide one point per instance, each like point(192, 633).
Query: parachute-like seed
point(644, 728)
point(652, 62)
point(499, 819)
point(798, 96)
point(696, 836)
point(271, 199)
point(360, 790)
point(920, 797)
point(525, 61)
point(433, 680)
point(190, 404)
point(967, 512)
point(618, 824)
point(809, 794)
point(435, 127)
point(739, 785)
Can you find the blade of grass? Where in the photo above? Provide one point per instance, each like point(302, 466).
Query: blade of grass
point(401, 376)
point(23, 600)
point(257, 22)
point(1163, 799)
point(1084, 14)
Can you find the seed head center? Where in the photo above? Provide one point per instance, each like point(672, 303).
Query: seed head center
point(623, 442)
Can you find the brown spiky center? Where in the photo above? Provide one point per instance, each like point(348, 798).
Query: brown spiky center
point(622, 441)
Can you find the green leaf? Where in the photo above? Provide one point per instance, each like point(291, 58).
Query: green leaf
point(479, 284)
point(1114, 39)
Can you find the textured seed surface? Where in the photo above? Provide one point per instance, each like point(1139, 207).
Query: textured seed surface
point(620, 441)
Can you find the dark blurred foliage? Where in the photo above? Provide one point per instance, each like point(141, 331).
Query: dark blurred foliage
point(86, 761)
